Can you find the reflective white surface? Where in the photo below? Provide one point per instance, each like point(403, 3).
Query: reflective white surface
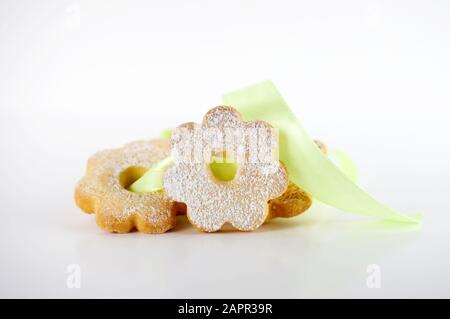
point(368, 77)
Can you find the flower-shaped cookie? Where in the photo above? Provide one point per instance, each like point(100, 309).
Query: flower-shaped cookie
point(242, 201)
point(103, 190)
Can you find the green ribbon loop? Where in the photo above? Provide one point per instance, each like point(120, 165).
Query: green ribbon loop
point(307, 166)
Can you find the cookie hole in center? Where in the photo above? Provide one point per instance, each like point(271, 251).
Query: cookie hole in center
point(224, 172)
point(128, 176)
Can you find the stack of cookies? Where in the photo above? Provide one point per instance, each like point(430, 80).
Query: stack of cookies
point(257, 191)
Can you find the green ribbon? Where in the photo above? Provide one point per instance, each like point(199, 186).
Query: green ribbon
point(152, 180)
point(307, 166)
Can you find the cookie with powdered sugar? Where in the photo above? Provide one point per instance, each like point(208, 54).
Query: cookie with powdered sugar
point(104, 192)
point(242, 201)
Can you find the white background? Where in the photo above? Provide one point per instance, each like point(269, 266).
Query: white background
point(369, 77)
